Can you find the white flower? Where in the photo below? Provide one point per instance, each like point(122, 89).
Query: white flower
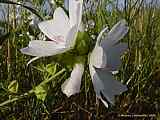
point(61, 30)
point(104, 59)
point(108, 53)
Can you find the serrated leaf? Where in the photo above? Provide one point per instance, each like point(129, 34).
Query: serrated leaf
point(41, 92)
point(51, 68)
point(13, 86)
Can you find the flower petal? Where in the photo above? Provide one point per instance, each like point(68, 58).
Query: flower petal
point(110, 53)
point(100, 36)
point(75, 12)
point(43, 48)
point(114, 56)
point(57, 27)
point(97, 83)
point(98, 57)
point(116, 33)
point(104, 102)
point(104, 83)
point(72, 85)
point(71, 37)
point(112, 87)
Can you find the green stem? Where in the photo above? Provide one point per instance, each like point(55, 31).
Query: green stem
point(50, 79)
point(17, 98)
point(32, 90)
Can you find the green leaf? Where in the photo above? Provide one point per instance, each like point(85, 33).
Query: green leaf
point(13, 86)
point(51, 68)
point(41, 92)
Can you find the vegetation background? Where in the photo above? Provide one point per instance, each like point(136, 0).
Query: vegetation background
point(34, 92)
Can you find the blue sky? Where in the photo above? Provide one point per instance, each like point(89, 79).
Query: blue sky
point(121, 3)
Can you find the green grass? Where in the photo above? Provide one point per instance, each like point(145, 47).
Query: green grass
point(139, 70)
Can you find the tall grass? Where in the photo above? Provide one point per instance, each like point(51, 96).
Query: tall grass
point(139, 70)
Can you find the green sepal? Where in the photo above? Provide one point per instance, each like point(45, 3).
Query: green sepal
point(77, 54)
point(13, 86)
point(82, 43)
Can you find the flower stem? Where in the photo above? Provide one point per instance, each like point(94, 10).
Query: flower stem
point(32, 90)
